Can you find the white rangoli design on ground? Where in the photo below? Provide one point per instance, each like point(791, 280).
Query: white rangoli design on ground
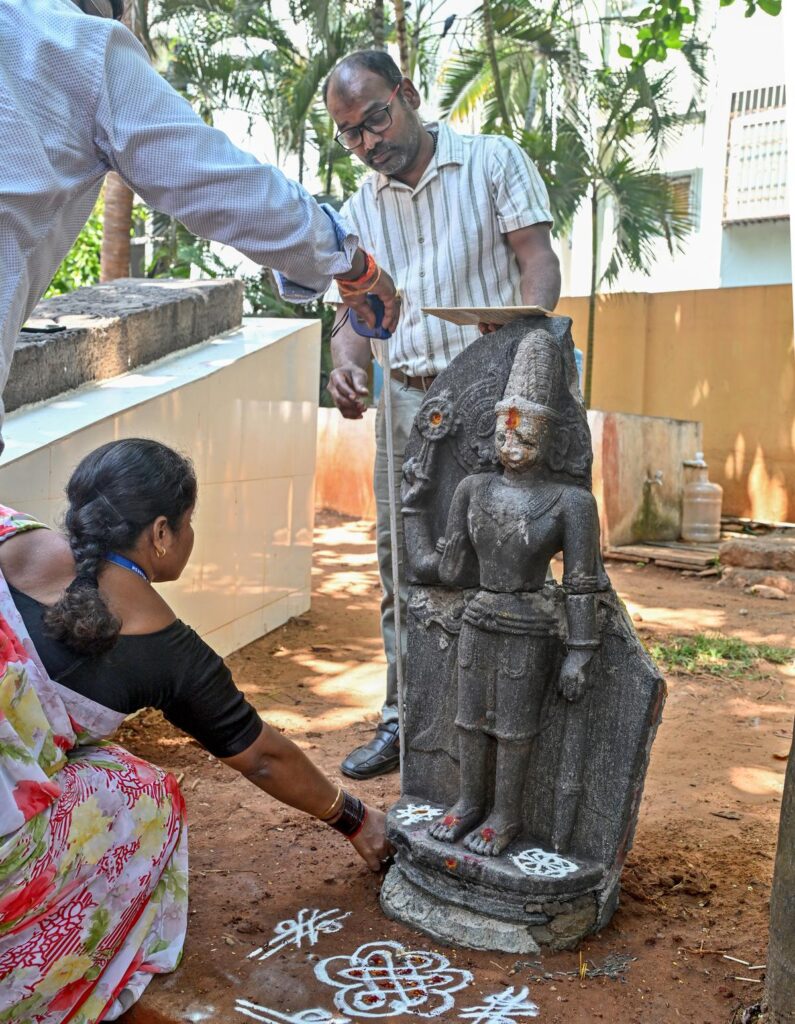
point(267, 1016)
point(542, 863)
point(382, 979)
point(412, 813)
point(501, 1008)
point(307, 925)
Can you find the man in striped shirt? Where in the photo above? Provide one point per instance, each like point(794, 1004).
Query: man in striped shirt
point(457, 220)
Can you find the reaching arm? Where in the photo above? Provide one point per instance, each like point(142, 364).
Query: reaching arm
point(164, 151)
point(276, 765)
point(347, 384)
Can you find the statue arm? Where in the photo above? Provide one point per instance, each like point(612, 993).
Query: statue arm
point(458, 555)
point(581, 580)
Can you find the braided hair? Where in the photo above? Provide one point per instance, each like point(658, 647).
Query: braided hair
point(114, 494)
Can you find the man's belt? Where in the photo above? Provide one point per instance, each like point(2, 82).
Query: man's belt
point(420, 383)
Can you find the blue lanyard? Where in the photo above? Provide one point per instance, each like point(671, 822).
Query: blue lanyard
point(125, 563)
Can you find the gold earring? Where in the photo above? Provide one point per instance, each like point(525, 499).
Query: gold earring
point(160, 552)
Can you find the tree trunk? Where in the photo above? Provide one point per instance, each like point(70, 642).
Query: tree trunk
point(115, 254)
point(301, 145)
point(117, 222)
point(379, 42)
point(402, 37)
point(780, 985)
point(592, 296)
point(491, 48)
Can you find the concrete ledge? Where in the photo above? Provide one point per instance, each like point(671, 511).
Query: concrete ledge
point(112, 328)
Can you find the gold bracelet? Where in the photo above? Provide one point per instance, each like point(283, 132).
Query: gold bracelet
point(339, 798)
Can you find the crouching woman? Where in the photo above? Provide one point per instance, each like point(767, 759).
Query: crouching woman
point(93, 841)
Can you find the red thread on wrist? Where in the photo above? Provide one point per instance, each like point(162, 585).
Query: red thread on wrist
point(362, 284)
point(369, 268)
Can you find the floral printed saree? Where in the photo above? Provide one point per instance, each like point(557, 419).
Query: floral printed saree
point(93, 847)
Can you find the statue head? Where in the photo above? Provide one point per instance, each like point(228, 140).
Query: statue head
point(527, 416)
point(522, 434)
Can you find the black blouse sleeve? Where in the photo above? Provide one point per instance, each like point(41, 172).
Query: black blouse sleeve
point(204, 701)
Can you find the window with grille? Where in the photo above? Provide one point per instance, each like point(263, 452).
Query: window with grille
point(756, 157)
point(686, 195)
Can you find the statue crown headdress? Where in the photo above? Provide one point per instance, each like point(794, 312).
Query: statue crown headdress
point(534, 380)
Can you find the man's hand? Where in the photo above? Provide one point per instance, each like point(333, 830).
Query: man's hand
point(384, 289)
point(488, 328)
point(346, 385)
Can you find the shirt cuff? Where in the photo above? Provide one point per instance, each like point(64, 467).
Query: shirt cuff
point(528, 219)
point(347, 244)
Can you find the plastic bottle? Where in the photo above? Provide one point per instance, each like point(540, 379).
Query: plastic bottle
point(701, 503)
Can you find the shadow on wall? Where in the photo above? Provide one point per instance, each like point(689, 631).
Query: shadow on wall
point(724, 357)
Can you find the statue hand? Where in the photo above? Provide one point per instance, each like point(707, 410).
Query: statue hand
point(573, 680)
point(452, 564)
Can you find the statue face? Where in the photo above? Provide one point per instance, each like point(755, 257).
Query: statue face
point(520, 439)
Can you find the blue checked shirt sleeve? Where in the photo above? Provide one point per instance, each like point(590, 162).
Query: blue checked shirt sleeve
point(183, 167)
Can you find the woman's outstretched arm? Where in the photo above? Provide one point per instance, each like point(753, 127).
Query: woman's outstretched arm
point(279, 767)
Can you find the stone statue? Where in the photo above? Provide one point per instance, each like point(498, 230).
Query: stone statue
point(512, 523)
point(530, 705)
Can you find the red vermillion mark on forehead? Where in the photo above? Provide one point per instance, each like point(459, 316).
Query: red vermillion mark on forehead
point(513, 419)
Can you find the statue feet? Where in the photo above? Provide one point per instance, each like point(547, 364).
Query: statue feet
point(491, 838)
point(456, 822)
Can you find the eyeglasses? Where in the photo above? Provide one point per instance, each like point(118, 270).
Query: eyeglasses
point(376, 123)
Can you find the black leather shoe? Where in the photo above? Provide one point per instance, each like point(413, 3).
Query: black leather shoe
point(379, 756)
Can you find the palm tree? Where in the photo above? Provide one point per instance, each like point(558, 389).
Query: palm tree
point(117, 225)
point(586, 126)
point(614, 116)
point(377, 16)
point(401, 31)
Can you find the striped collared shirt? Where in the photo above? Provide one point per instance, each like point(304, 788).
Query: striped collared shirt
point(444, 241)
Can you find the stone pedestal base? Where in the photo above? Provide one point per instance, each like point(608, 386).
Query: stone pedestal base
point(446, 923)
point(516, 903)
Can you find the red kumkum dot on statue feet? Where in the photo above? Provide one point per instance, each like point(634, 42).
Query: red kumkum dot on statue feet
point(450, 820)
point(487, 834)
point(451, 863)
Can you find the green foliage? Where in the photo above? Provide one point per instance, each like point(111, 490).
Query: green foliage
point(595, 132)
point(717, 655)
point(81, 264)
point(662, 25)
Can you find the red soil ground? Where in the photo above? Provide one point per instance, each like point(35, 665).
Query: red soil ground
point(696, 883)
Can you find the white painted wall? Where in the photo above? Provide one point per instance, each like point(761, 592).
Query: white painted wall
point(244, 407)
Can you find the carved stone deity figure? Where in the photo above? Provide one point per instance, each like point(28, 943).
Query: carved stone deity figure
point(530, 705)
point(507, 526)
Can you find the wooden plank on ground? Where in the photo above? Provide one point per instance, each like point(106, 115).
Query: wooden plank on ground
point(669, 554)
